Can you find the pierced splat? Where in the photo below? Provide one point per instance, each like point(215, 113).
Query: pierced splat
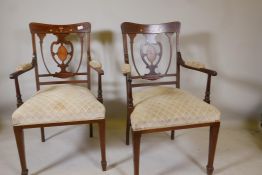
point(63, 55)
point(62, 51)
point(58, 45)
point(151, 54)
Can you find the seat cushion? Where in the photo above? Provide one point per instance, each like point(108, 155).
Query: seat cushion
point(59, 103)
point(161, 107)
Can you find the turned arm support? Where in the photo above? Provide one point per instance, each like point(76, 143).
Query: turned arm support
point(97, 66)
point(126, 71)
point(195, 65)
point(21, 69)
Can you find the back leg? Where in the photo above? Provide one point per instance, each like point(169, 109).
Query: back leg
point(42, 134)
point(173, 135)
point(90, 130)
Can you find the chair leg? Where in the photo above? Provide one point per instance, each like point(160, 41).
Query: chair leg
point(19, 136)
point(127, 129)
point(213, 135)
point(173, 135)
point(136, 150)
point(42, 134)
point(90, 130)
point(102, 144)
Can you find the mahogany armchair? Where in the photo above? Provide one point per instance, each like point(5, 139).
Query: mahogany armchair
point(151, 54)
point(63, 102)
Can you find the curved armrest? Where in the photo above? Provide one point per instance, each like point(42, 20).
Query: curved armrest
point(195, 65)
point(204, 70)
point(22, 69)
point(97, 66)
point(126, 69)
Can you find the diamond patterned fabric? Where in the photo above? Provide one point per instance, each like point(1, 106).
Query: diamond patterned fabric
point(195, 64)
point(126, 68)
point(59, 103)
point(161, 107)
point(24, 67)
point(95, 64)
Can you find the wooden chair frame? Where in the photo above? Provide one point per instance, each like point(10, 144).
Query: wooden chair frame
point(131, 30)
point(40, 30)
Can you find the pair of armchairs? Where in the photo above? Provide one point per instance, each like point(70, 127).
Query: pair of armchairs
point(156, 109)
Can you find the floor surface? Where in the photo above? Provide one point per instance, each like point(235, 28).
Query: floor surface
point(69, 151)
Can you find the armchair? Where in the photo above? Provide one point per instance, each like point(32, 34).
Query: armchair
point(152, 53)
point(63, 101)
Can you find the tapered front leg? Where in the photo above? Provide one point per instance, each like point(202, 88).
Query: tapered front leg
point(136, 150)
point(102, 144)
point(213, 135)
point(19, 136)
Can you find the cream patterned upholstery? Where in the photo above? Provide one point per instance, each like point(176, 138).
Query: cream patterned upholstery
point(59, 103)
point(24, 67)
point(95, 64)
point(126, 68)
point(194, 63)
point(161, 107)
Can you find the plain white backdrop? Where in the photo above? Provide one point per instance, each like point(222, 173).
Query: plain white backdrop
point(224, 34)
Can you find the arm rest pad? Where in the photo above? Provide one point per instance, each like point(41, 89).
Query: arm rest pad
point(24, 67)
point(95, 64)
point(126, 68)
point(195, 64)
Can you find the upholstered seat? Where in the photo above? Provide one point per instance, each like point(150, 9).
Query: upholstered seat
point(161, 107)
point(59, 103)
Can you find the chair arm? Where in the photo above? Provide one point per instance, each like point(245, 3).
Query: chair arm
point(22, 69)
point(97, 66)
point(126, 69)
point(195, 65)
point(204, 70)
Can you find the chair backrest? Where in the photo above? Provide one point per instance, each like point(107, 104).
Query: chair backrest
point(65, 53)
point(150, 48)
